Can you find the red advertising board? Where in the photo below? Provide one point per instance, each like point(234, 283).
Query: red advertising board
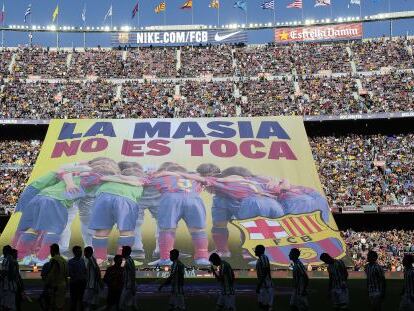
point(319, 33)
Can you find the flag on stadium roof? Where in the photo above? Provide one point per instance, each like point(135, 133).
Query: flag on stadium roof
point(160, 7)
point(135, 10)
point(109, 13)
point(296, 4)
point(214, 4)
point(187, 5)
point(322, 2)
point(357, 2)
point(55, 13)
point(83, 15)
point(241, 4)
point(2, 14)
point(28, 12)
point(268, 5)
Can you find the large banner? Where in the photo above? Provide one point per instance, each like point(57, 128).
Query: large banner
point(175, 38)
point(200, 185)
point(346, 31)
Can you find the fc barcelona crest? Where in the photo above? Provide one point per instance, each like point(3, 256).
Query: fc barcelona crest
point(307, 232)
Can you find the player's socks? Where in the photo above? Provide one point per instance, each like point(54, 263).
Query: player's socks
point(48, 239)
point(221, 239)
point(138, 246)
point(166, 241)
point(25, 244)
point(125, 240)
point(200, 242)
point(100, 247)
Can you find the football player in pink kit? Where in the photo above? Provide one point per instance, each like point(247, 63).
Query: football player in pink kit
point(180, 199)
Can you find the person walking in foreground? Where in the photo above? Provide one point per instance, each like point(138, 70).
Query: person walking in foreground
point(375, 281)
point(299, 298)
point(57, 278)
point(176, 279)
point(93, 280)
point(265, 286)
point(77, 274)
point(225, 275)
point(338, 277)
point(407, 299)
point(128, 289)
point(114, 279)
point(8, 280)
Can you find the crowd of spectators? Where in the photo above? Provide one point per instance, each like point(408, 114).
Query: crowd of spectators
point(37, 61)
point(374, 54)
point(388, 92)
point(207, 99)
point(329, 95)
point(268, 98)
point(358, 170)
point(207, 61)
point(218, 60)
point(390, 246)
point(5, 60)
point(44, 100)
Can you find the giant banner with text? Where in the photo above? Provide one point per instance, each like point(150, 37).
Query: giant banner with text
point(199, 185)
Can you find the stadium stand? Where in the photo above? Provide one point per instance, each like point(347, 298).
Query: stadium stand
point(370, 76)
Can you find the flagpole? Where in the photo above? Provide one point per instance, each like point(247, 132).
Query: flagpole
point(192, 12)
point(112, 13)
point(30, 33)
point(165, 13)
point(218, 15)
point(274, 13)
point(57, 27)
point(84, 25)
point(2, 32)
point(389, 11)
point(138, 15)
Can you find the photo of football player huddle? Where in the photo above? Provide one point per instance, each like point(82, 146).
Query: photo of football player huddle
point(106, 193)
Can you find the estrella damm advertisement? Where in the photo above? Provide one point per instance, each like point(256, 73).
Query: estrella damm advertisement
point(199, 185)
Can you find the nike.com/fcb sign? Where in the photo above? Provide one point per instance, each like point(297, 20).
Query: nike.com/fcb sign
point(188, 37)
point(319, 33)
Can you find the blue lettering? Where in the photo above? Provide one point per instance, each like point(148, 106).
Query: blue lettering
point(221, 129)
point(67, 131)
point(145, 129)
point(245, 129)
point(189, 128)
point(103, 128)
point(271, 128)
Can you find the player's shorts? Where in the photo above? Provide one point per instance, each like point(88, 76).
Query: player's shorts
point(45, 214)
point(177, 301)
point(150, 200)
point(375, 299)
point(226, 302)
point(407, 303)
point(27, 195)
point(223, 208)
point(177, 206)
point(110, 209)
point(299, 302)
point(340, 296)
point(259, 206)
point(299, 203)
point(266, 296)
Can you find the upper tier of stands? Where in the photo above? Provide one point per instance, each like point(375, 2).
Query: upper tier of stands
point(371, 76)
